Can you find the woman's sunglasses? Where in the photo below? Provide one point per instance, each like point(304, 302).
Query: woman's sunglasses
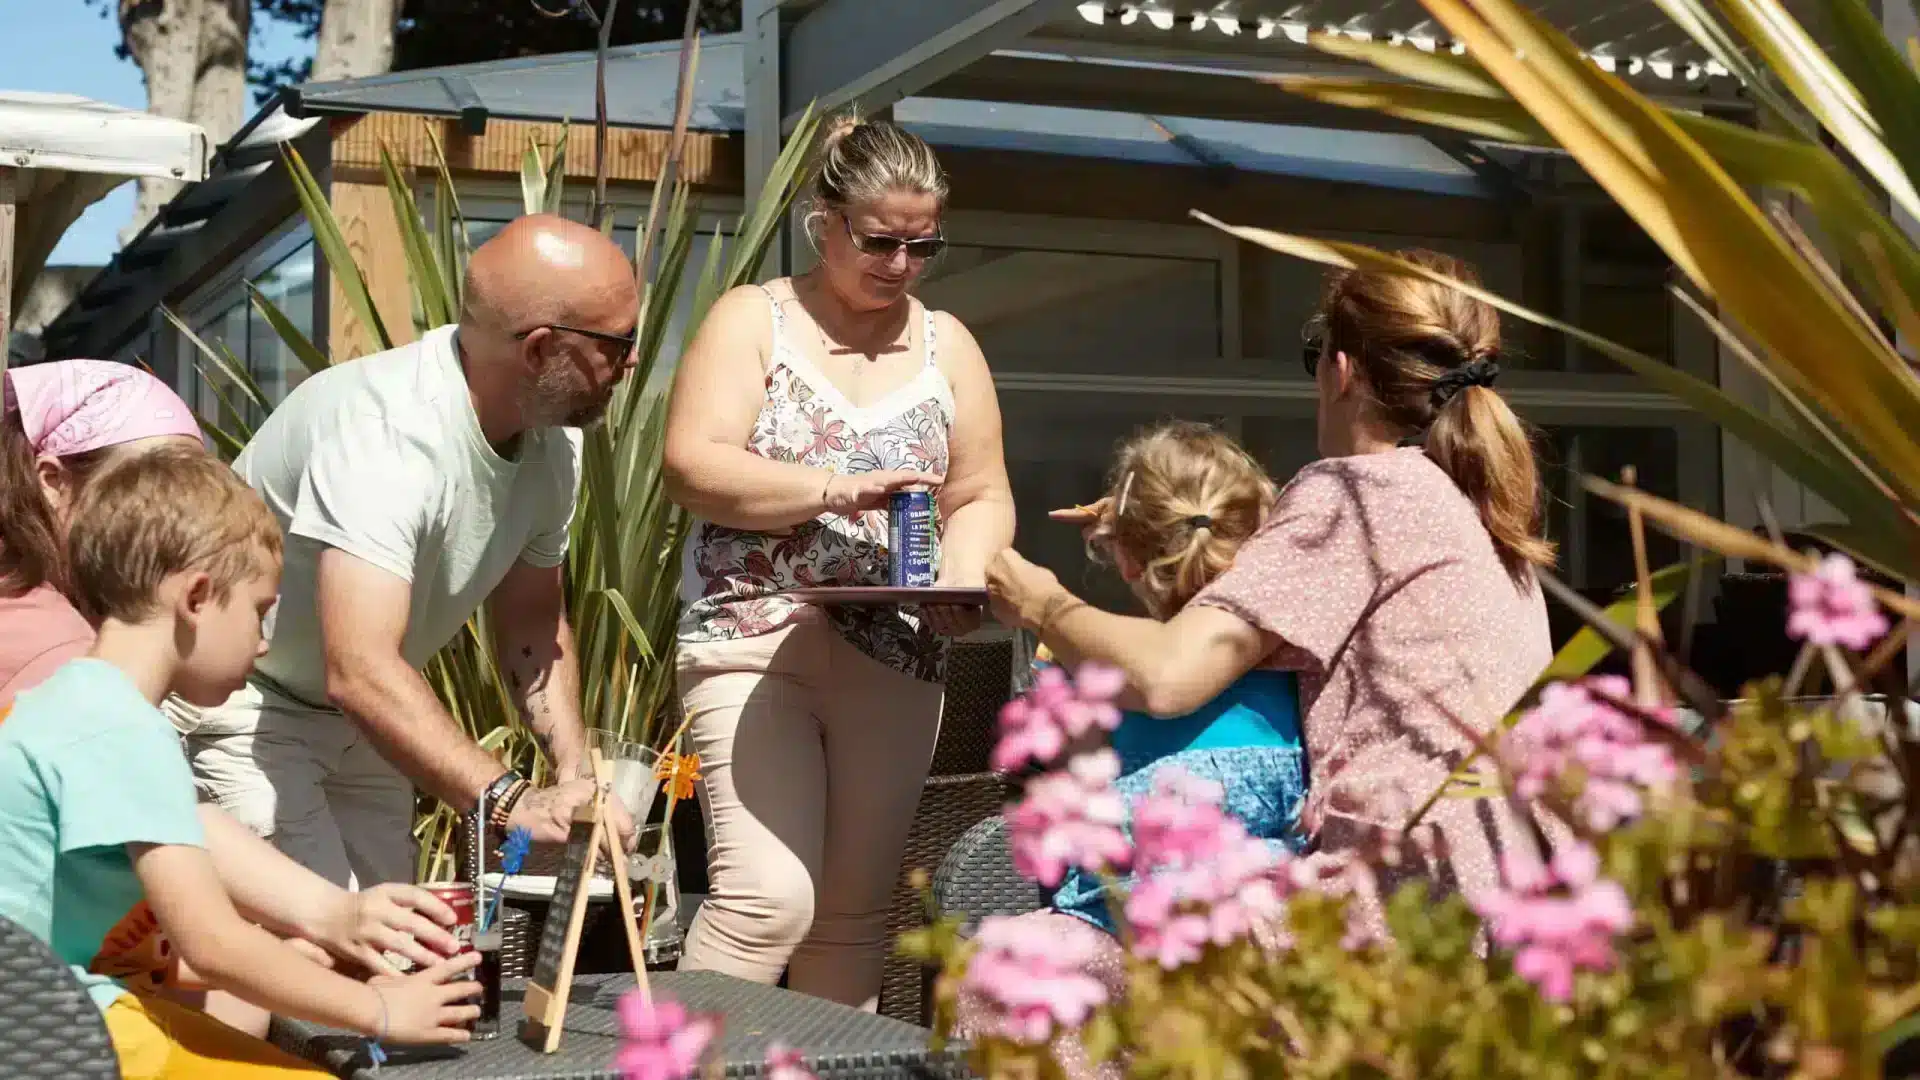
point(881, 246)
point(1310, 356)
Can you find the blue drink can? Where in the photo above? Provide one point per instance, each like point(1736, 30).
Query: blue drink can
point(910, 529)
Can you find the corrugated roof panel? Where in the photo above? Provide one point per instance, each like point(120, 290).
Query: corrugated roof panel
point(641, 80)
point(1376, 158)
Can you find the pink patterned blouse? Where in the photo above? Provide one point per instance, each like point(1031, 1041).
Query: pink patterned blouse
point(1386, 591)
point(731, 575)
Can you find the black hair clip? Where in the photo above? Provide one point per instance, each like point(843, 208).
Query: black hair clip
point(1476, 373)
point(1200, 521)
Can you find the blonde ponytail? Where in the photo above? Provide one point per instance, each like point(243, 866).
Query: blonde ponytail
point(1185, 498)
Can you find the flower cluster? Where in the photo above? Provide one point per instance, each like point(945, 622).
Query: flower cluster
point(1032, 982)
point(1576, 727)
point(1559, 918)
point(1070, 817)
point(661, 1040)
point(1038, 727)
point(1832, 606)
point(1202, 879)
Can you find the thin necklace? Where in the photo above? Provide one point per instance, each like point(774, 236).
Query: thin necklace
point(826, 346)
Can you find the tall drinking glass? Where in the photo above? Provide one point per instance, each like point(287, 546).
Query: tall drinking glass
point(633, 766)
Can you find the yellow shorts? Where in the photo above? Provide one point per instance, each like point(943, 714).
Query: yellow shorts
point(157, 1039)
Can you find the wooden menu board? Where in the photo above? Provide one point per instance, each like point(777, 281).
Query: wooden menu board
point(552, 979)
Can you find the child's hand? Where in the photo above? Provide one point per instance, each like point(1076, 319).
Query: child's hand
point(1083, 515)
point(402, 919)
point(1087, 517)
point(426, 1007)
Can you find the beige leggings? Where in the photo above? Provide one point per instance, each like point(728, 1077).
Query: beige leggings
point(812, 757)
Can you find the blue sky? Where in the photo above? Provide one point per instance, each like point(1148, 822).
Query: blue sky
point(65, 46)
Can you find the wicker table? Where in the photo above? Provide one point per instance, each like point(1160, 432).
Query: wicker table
point(839, 1043)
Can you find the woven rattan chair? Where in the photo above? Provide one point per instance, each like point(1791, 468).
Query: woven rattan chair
point(977, 878)
point(960, 791)
point(949, 806)
point(49, 1027)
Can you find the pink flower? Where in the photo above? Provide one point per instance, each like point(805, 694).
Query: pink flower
point(1832, 606)
point(1202, 880)
point(1558, 919)
point(784, 1063)
point(1576, 732)
point(661, 1040)
point(1071, 817)
point(1037, 727)
point(1031, 982)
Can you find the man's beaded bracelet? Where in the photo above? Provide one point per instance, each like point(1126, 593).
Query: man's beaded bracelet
point(502, 810)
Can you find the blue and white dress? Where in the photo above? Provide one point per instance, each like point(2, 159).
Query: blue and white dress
point(1247, 740)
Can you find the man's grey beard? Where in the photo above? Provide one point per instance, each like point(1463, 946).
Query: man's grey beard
point(558, 399)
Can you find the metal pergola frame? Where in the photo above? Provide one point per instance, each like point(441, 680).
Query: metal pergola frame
point(1167, 57)
point(45, 135)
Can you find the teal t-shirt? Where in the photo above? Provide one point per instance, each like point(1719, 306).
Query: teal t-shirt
point(87, 766)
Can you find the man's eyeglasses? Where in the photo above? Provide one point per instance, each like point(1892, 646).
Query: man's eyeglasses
point(1310, 356)
point(881, 246)
point(626, 341)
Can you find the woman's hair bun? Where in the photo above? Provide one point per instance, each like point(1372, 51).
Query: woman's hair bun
point(839, 128)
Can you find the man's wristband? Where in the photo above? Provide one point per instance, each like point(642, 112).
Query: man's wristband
point(501, 796)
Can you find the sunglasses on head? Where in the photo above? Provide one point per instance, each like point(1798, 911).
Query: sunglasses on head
point(1310, 355)
point(626, 341)
point(881, 246)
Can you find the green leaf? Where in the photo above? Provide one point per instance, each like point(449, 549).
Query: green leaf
point(299, 344)
point(555, 186)
point(333, 246)
point(1794, 58)
point(222, 361)
point(429, 282)
point(533, 179)
point(1877, 70)
point(1587, 648)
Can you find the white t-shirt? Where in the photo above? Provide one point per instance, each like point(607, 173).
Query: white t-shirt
point(383, 458)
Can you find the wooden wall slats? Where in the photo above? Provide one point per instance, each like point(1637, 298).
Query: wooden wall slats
point(708, 160)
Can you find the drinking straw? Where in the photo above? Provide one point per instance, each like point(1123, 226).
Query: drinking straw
point(513, 854)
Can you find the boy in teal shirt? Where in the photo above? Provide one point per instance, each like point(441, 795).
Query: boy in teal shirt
point(87, 767)
point(103, 852)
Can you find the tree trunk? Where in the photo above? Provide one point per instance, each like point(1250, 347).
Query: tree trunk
point(220, 78)
point(164, 38)
point(356, 39)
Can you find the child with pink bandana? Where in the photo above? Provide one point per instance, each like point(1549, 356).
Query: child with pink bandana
point(62, 422)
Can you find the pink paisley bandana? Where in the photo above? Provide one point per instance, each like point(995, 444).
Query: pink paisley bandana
point(73, 406)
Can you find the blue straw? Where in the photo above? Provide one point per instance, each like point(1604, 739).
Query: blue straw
point(512, 855)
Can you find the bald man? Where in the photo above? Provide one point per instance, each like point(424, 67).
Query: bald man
point(413, 486)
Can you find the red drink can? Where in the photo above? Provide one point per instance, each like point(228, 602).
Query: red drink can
point(461, 897)
point(458, 895)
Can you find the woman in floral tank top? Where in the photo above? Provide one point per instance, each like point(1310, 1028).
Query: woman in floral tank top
point(799, 408)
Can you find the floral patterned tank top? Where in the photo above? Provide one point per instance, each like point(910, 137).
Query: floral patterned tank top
point(731, 577)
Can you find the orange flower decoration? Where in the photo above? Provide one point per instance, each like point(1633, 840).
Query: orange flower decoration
point(676, 773)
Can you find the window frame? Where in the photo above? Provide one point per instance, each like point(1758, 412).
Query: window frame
point(198, 306)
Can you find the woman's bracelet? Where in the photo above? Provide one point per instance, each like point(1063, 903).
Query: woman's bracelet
point(380, 1029)
point(1057, 607)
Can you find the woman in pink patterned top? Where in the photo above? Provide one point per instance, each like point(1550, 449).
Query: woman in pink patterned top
point(800, 406)
point(1396, 575)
